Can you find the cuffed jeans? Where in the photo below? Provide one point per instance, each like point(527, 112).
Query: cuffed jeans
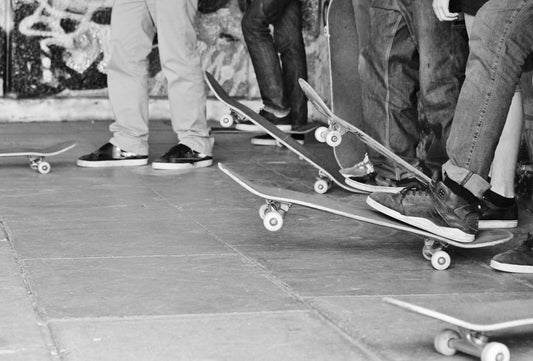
point(500, 43)
point(134, 24)
point(278, 83)
point(411, 71)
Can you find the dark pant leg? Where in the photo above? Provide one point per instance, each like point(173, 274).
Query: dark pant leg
point(255, 26)
point(289, 43)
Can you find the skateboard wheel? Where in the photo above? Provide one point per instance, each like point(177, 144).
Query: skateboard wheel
point(263, 210)
point(495, 351)
point(442, 342)
point(321, 186)
point(226, 121)
point(334, 138)
point(321, 133)
point(441, 260)
point(44, 167)
point(273, 221)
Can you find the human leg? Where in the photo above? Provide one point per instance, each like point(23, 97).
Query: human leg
point(132, 32)
point(389, 80)
point(263, 53)
point(289, 44)
point(181, 64)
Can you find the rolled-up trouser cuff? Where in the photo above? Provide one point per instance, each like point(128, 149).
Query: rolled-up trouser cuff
point(467, 179)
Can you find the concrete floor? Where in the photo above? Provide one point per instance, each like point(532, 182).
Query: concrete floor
point(137, 264)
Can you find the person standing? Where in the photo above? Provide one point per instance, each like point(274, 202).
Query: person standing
point(134, 24)
point(279, 60)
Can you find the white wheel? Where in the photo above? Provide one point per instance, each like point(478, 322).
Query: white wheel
point(441, 260)
point(273, 221)
point(44, 167)
point(263, 210)
point(442, 342)
point(321, 186)
point(495, 351)
point(226, 121)
point(334, 138)
point(321, 133)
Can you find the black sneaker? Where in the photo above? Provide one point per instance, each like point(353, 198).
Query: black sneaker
point(182, 157)
point(110, 155)
point(266, 139)
point(283, 123)
point(493, 216)
point(435, 209)
point(517, 260)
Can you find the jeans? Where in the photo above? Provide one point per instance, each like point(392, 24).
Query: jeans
point(134, 24)
point(501, 41)
point(411, 71)
point(278, 82)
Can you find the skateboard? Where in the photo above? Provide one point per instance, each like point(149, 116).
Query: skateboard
point(279, 201)
point(333, 135)
point(347, 26)
point(470, 338)
point(36, 156)
point(328, 173)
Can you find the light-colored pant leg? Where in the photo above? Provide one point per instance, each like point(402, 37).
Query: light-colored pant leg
point(132, 33)
point(181, 64)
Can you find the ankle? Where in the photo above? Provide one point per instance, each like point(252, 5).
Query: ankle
point(460, 190)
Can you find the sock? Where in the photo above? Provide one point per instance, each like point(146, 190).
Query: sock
point(498, 200)
point(460, 191)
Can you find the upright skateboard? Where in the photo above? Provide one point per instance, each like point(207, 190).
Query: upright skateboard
point(470, 337)
point(338, 127)
point(327, 173)
point(279, 201)
point(36, 156)
point(346, 26)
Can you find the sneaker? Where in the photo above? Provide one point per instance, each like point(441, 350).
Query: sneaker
point(517, 260)
point(182, 157)
point(361, 169)
point(368, 184)
point(493, 216)
point(435, 209)
point(283, 123)
point(266, 139)
point(110, 155)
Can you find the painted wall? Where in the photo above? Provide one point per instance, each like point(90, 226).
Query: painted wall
point(61, 47)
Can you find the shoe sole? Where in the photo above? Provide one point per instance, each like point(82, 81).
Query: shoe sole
point(174, 166)
point(512, 268)
point(497, 224)
point(256, 141)
point(112, 163)
point(371, 188)
point(257, 128)
point(423, 223)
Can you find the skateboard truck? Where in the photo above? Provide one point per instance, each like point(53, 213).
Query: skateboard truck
point(448, 342)
point(227, 120)
point(39, 164)
point(331, 135)
point(323, 183)
point(272, 213)
point(434, 252)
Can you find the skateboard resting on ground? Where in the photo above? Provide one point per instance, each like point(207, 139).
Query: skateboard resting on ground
point(337, 127)
point(279, 201)
point(327, 172)
point(470, 338)
point(36, 156)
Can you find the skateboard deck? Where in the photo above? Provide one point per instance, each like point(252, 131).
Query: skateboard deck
point(338, 127)
point(327, 172)
point(36, 156)
point(472, 337)
point(279, 201)
point(346, 26)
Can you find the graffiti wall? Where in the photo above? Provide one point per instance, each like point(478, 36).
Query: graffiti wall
point(61, 47)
